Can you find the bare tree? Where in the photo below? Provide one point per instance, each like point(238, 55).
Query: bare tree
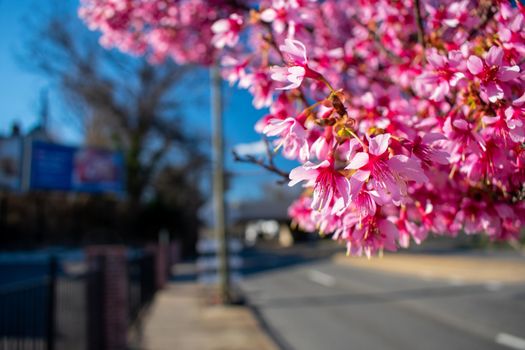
point(121, 102)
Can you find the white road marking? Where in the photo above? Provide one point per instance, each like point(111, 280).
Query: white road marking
point(321, 278)
point(510, 341)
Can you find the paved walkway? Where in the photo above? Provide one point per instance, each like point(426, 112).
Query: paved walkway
point(180, 319)
point(504, 268)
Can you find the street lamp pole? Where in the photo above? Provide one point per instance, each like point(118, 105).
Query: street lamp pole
point(218, 184)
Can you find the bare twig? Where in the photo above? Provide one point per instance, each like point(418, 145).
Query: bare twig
point(420, 28)
point(269, 153)
point(268, 164)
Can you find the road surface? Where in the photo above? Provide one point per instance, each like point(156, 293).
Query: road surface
point(309, 302)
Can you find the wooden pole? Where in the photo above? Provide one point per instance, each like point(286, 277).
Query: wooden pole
point(218, 185)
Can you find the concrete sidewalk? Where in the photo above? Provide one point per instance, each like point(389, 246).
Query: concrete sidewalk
point(180, 319)
point(500, 268)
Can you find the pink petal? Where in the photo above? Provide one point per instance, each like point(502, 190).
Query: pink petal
point(504, 34)
point(494, 92)
point(508, 73)
point(301, 174)
point(277, 126)
point(379, 144)
point(517, 23)
point(408, 167)
point(296, 49)
point(517, 135)
point(475, 65)
point(293, 85)
point(339, 207)
point(297, 71)
point(268, 15)
point(313, 166)
point(322, 197)
point(279, 73)
point(220, 26)
point(433, 137)
point(453, 23)
point(494, 56)
point(435, 59)
point(509, 113)
point(490, 120)
point(343, 187)
point(361, 175)
point(461, 124)
point(375, 196)
point(455, 58)
point(357, 180)
point(427, 78)
point(456, 78)
point(387, 228)
point(360, 159)
point(519, 101)
point(440, 157)
point(440, 92)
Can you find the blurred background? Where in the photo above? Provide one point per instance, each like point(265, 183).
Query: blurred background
point(106, 220)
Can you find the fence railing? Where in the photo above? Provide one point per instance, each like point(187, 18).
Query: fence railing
point(141, 283)
point(26, 305)
point(53, 308)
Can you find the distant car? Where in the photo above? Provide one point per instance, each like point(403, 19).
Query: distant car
point(266, 229)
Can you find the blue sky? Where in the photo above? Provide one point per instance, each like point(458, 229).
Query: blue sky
point(20, 91)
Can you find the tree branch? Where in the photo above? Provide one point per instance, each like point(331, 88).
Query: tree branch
point(487, 16)
point(269, 165)
point(420, 28)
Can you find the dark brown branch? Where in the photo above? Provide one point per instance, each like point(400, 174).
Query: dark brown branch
point(485, 19)
point(269, 165)
point(420, 28)
point(269, 153)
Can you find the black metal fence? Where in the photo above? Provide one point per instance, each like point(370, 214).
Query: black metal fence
point(57, 307)
point(26, 305)
point(141, 283)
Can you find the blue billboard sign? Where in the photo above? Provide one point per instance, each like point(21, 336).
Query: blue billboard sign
point(58, 167)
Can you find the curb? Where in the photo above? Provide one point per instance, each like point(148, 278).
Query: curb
point(267, 328)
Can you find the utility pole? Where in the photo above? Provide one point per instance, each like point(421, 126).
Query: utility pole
point(218, 184)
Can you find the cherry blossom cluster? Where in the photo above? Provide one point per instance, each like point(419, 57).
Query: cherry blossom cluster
point(406, 117)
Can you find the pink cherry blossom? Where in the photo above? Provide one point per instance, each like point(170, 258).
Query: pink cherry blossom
point(292, 137)
point(301, 212)
point(425, 149)
point(227, 31)
point(408, 230)
point(508, 124)
point(276, 15)
point(297, 68)
point(367, 237)
point(387, 175)
point(443, 75)
point(397, 135)
point(328, 183)
point(492, 73)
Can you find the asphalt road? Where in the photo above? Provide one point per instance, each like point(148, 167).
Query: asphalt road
point(308, 302)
